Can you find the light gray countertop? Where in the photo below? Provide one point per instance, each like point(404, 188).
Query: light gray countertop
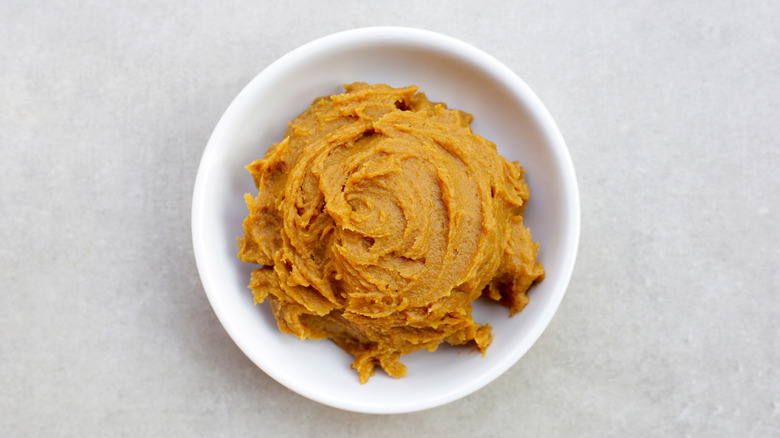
point(670, 326)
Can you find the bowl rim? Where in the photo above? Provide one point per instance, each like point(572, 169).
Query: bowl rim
point(360, 37)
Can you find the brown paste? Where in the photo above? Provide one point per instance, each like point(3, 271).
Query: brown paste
point(379, 219)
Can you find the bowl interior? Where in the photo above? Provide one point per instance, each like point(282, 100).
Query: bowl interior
point(505, 112)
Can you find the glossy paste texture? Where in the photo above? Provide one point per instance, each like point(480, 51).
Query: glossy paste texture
point(379, 219)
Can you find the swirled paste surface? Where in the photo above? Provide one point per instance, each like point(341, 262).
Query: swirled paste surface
point(379, 219)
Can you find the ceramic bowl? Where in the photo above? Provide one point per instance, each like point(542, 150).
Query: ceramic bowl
point(505, 111)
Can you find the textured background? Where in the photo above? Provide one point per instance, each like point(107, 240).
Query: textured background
point(669, 328)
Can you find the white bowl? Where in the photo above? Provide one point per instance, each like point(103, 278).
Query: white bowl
point(505, 111)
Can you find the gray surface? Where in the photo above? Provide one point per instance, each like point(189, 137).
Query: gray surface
point(670, 326)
